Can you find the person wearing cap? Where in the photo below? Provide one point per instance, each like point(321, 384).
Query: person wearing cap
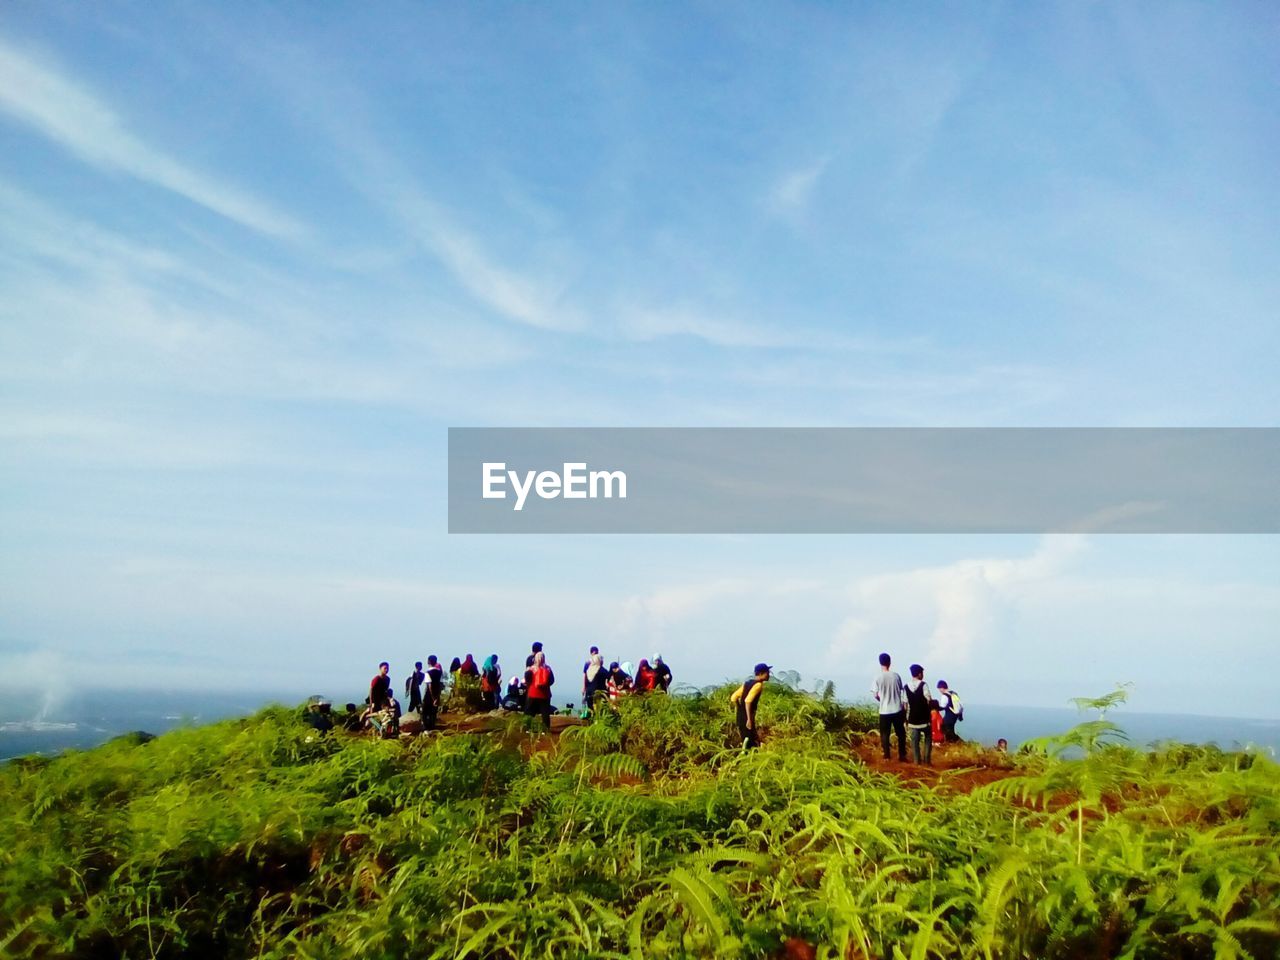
point(746, 698)
point(662, 673)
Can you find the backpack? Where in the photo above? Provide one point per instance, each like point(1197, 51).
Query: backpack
point(956, 706)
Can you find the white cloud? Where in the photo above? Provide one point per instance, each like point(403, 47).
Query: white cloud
point(39, 95)
point(952, 608)
point(791, 194)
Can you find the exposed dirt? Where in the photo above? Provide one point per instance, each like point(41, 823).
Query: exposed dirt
point(958, 767)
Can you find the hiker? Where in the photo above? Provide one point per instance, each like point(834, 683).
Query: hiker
point(538, 697)
point(435, 690)
point(413, 688)
point(468, 668)
point(385, 721)
point(747, 698)
point(887, 689)
point(454, 666)
point(618, 683)
point(1002, 745)
point(935, 725)
point(380, 687)
point(663, 671)
point(317, 716)
point(920, 709)
point(952, 710)
point(534, 649)
point(514, 700)
point(351, 719)
point(594, 679)
point(491, 681)
point(646, 677)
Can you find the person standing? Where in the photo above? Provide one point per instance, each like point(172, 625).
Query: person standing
point(491, 681)
point(435, 690)
point(594, 679)
point(538, 699)
point(747, 698)
point(887, 689)
point(468, 667)
point(380, 687)
point(413, 688)
point(920, 709)
point(646, 677)
point(951, 712)
point(663, 673)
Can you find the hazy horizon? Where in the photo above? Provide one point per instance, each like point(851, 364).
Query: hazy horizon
point(258, 259)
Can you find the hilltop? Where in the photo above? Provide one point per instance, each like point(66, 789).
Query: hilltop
point(644, 835)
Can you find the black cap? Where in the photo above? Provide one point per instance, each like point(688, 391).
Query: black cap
point(763, 668)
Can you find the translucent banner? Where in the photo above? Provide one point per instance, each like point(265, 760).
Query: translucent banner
point(864, 480)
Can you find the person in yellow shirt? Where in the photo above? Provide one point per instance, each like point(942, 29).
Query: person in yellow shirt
point(747, 698)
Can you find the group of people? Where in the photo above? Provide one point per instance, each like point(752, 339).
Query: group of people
point(425, 688)
point(913, 708)
point(907, 710)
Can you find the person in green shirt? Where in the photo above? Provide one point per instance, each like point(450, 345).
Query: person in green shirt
point(747, 698)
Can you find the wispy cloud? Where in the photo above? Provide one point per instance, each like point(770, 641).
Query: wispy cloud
point(790, 196)
point(38, 94)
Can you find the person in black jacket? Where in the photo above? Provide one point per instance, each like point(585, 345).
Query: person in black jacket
point(920, 707)
point(434, 691)
point(663, 672)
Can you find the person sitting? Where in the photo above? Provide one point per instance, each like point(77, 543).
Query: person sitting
point(385, 722)
point(352, 719)
point(318, 716)
point(514, 700)
point(619, 682)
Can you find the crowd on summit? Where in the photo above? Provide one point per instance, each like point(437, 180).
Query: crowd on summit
point(908, 711)
point(429, 689)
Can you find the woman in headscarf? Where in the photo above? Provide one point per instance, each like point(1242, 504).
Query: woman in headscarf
point(541, 678)
point(618, 682)
point(594, 678)
point(646, 677)
point(469, 668)
point(491, 681)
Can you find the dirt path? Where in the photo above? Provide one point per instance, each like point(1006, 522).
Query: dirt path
point(959, 767)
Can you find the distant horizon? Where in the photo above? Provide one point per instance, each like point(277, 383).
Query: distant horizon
point(259, 259)
point(301, 696)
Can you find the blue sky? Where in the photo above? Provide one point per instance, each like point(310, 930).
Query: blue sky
point(255, 261)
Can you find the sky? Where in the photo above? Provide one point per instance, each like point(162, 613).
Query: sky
point(255, 261)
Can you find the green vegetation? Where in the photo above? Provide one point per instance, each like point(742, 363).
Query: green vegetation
point(641, 835)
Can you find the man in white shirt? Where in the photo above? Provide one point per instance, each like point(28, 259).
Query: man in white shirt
point(887, 690)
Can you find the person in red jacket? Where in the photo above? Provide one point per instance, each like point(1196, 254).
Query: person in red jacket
point(646, 677)
point(538, 699)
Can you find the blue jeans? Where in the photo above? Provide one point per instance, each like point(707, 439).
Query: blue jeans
point(925, 734)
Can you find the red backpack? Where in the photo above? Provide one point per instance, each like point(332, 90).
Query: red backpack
point(540, 684)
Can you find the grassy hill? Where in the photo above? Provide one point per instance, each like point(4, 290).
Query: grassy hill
point(645, 835)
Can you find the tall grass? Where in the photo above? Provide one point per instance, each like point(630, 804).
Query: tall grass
point(646, 834)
